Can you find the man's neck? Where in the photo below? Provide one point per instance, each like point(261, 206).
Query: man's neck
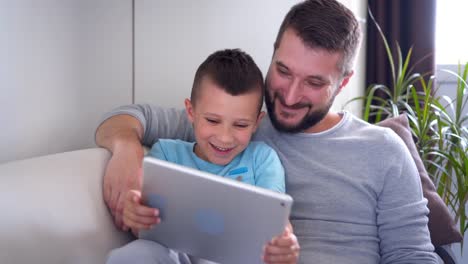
point(328, 122)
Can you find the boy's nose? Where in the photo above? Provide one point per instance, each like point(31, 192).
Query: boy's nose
point(225, 136)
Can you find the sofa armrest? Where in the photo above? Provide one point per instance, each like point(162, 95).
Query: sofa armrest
point(53, 210)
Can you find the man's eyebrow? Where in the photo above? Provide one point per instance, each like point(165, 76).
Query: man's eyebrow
point(281, 64)
point(310, 77)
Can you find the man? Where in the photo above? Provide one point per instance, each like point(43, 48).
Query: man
point(357, 193)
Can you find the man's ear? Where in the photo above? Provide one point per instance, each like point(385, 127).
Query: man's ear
point(345, 81)
point(259, 119)
point(189, 109)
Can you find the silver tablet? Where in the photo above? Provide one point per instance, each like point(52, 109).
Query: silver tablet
point(211, 217)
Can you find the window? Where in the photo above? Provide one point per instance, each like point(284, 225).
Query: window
point(451, 32)
point(451, 45)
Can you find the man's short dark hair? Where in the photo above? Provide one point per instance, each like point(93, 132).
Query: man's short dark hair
point(232, 70)
point(325, 24)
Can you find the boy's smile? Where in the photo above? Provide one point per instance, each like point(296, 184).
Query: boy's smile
point(223, 123)
point(221, 150)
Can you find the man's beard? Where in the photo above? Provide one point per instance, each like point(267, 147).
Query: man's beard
point(308, 121)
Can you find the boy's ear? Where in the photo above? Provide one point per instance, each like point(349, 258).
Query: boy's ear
point(189, 109)
point(259, 118)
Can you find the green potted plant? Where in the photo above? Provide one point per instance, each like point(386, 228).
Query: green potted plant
point(437, 122)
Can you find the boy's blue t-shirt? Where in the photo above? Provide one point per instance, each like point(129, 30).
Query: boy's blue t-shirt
point(258, 164)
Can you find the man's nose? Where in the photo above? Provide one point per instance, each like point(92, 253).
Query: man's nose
point(292, 93)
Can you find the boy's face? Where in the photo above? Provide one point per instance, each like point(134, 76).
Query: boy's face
point(223, 124)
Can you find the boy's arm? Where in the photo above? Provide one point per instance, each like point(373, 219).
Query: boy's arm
point(122, 132)
point(269, 172)
point(136, 215)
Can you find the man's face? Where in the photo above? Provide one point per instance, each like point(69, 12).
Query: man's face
point(302, 83)
point(223, 124)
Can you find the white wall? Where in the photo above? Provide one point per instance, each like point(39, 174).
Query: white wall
point(173, 37)
point(356, 85)
point(63, 64)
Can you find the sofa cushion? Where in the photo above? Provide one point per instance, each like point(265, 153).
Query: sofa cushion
point(442, 227)
point(53, 210)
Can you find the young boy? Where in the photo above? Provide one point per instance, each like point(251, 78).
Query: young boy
point(224, 109)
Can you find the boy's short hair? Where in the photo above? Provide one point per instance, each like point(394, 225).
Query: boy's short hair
point(232, 70)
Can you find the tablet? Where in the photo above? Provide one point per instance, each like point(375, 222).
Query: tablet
point(211, 217)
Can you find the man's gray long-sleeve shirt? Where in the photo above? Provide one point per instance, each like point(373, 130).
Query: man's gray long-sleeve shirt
point(356, 190)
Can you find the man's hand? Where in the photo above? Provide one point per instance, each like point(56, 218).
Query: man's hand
point(123, 173)
point(283, 248)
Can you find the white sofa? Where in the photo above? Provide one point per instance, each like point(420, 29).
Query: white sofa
point(52, 210)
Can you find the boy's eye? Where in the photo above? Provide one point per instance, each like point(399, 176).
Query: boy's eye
point(242, 125)
point(212, 121)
